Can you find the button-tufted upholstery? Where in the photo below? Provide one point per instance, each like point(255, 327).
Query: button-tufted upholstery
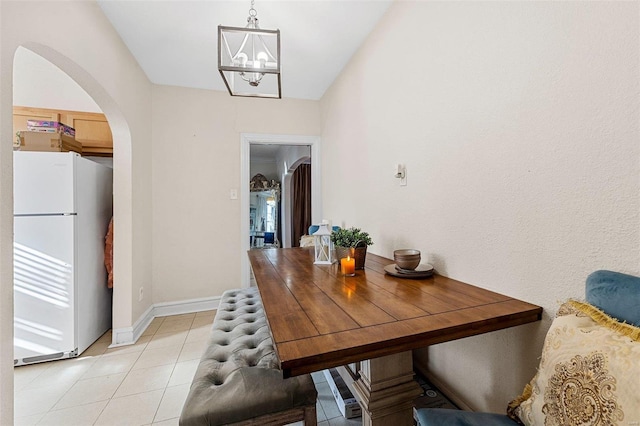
point(238, 377)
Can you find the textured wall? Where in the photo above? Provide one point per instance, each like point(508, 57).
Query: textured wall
point(196, 161)
point(39, 83)
point(93, 55)
point(518, 124)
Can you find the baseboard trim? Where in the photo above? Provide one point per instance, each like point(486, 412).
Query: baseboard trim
point(129, 335)
point(185, 306)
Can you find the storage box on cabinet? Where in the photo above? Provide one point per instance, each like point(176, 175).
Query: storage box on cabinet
point(44, 141)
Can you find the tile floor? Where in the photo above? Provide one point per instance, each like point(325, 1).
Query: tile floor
point(141, 384)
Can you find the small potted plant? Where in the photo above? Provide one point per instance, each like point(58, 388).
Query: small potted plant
point(351, 242)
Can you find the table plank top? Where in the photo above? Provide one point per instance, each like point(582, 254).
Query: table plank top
point(321, 319)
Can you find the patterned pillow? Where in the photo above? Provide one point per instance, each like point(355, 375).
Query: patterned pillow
point(589, 372)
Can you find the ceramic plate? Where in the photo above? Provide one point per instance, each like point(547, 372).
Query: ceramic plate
point(422, 271)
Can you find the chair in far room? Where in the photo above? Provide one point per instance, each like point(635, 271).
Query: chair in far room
point(270, 240)
point(589, 369)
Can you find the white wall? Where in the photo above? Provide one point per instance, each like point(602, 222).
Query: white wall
point(196, 161)
point(518, 124)
point(268, 168)
point(91, 53)
point(38, 83)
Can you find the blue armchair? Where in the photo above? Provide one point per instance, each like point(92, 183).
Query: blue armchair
point(616, 295)
point(314, 228)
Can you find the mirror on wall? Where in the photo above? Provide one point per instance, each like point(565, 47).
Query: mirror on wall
point(264, 200)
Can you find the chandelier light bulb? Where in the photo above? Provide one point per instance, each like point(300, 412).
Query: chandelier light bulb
point(262, 59)
point(242, 59)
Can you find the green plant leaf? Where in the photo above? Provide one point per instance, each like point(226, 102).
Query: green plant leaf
point(350, 237)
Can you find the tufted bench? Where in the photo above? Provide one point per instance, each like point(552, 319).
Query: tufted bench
point(238, 380)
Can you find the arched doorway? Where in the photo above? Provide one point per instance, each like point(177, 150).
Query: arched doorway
point(121, 157)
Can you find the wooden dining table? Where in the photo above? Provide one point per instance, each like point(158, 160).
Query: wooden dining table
point(321, 319)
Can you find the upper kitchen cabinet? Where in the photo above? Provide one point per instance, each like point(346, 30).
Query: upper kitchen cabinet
point(92, 129)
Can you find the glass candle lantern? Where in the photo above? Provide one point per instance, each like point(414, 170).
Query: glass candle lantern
point(322, 245)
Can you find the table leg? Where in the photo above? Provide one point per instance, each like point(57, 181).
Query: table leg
point(386, 390)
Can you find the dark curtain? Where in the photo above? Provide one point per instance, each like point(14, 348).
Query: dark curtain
point(301, 204)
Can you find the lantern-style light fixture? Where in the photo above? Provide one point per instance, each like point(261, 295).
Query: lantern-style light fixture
point(249, 59)
point(322, 245)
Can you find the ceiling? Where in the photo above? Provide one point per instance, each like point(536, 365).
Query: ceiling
point(175, 42)
point(264, 153)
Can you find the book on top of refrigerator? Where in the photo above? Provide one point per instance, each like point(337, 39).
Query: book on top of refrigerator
point(50, 126)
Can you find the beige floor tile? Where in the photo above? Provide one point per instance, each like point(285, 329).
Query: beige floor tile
point(327, 401)
point(54, 389)
point(97, 349)
point(25, 374)
point(86, 391)
point(106, 337)
point(111, 364)
point(207, 314)
point(29, 402)
point(183, 372)
point(171, 326)
point(81, 415)
point(28, 420)
point(320, 415)
point(63, 373)
point(160, 340)
point(207, 326)
point(132, 410)
point(180, 317)
point(145, 380)
point(202, 321)
point(170, 422)
point(172, 402)
point(341, 421)
point(138, 346)
point(192, 351)
point(154, 357)
point(200, 334)
point(153, 326)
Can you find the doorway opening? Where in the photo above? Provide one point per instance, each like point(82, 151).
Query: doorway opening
point(274, 157)
point(279, 194)
point(62, 300)
point(62, 80)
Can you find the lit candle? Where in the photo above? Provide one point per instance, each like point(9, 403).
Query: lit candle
point(348, 266)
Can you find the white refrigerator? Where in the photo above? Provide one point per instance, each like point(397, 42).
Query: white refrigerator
point(62, 208)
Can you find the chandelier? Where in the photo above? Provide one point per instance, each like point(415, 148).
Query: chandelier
point(249, 59)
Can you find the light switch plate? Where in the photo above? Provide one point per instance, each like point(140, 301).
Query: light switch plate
point(233, 194)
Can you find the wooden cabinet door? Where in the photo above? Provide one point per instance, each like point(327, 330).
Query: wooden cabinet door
point(92, 130)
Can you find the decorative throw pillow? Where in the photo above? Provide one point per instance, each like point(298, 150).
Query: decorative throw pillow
point(589, 373)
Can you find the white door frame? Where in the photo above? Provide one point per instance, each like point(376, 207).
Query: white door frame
point(247, 139)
